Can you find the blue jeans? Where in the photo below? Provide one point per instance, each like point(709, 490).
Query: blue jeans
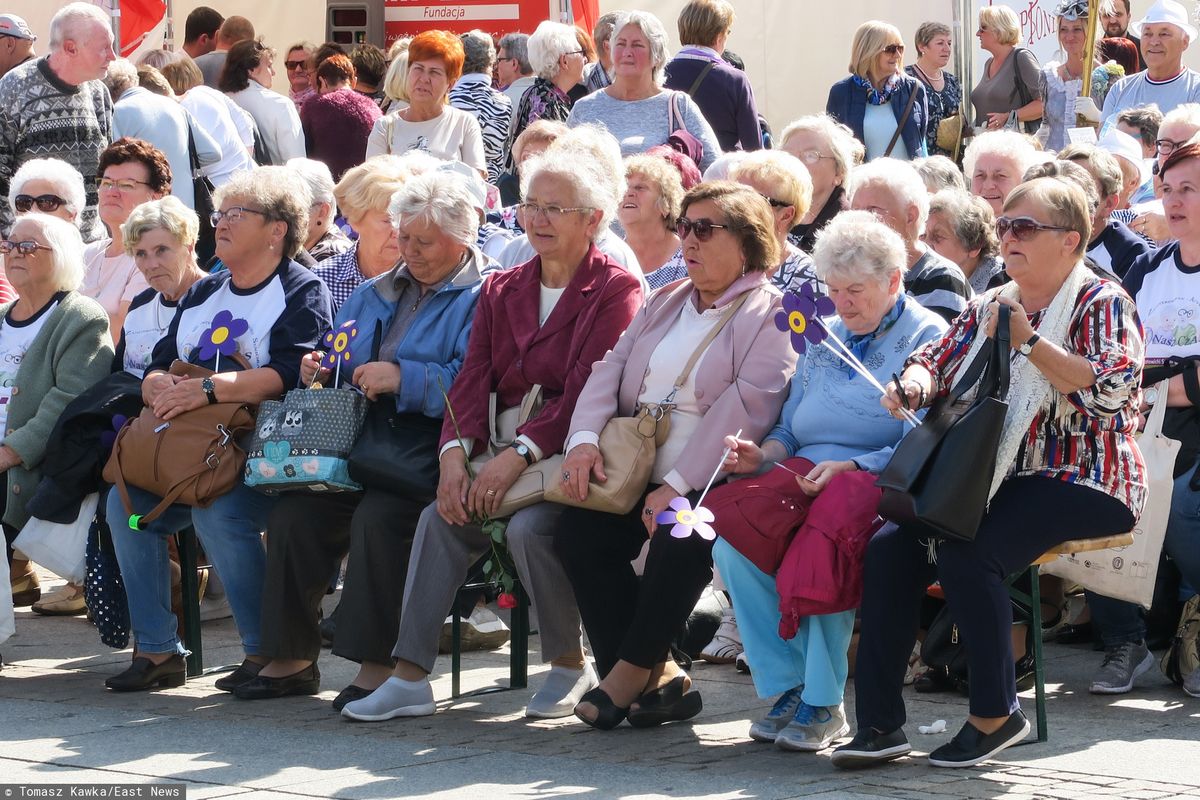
point(1183, 530)
point(230, 531)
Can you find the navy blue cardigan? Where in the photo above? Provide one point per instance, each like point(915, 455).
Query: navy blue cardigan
point(848, 104)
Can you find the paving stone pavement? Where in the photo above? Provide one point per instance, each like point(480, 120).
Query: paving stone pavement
point(59, 725)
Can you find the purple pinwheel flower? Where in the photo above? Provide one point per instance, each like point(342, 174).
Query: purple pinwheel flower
point(687, 519)
point(222, 336)
point(338, 342)
point(799, 315)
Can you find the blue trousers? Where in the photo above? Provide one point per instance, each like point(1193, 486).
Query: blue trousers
point(1027, 517)
point(815, 658)
point(231, 532)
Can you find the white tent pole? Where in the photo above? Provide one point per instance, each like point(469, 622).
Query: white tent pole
point(115, 12)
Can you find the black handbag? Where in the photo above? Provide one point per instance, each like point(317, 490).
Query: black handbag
point(940, 474)
point(103, 588)
point(397, 452)
point(944, 653)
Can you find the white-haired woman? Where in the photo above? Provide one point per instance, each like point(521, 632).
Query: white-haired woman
point(1067, 467)
point(363, 195)
point(1007, 93)
point(833, 432)
point(962, 228)
point(635, 108)
point(830, 152)
point(273, 311)
point(884, 107)
point(159, 236)
point(417, 316)
point(54, 344)
point(784, 183)
point(544, 323)
point(558, 63)
point(724, 313)
point(653, 191)
point(938, 173)
point(324, 238)
point(48, 186)
point(995, 162)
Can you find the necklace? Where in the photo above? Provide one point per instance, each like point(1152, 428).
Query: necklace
point(930, 79)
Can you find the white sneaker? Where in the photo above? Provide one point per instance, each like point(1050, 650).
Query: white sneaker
point(213, 608)
point(394, 698)
point(1191, 684)
point(726, 642)
point(561, 692)
point(483, 630)
point(813, 728)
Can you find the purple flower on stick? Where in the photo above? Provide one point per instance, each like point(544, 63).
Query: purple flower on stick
point(338, 342)
point(687, 520)
point(799, 315)
point(222, 336)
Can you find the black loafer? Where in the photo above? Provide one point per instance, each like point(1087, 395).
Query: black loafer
point(869, 747)
point(1025, 670)
point(260, 687)
point(668, 703)
point(349, 695)
point(970, 746)
point(145, 674)
point(245, 671)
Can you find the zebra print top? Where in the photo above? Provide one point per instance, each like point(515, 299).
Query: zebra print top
point(474, 94)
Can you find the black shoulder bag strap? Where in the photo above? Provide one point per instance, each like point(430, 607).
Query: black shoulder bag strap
point(700, 78)
point(912, 98)
point(1023, 93)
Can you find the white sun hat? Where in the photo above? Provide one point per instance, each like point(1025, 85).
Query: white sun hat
point(1167, 11)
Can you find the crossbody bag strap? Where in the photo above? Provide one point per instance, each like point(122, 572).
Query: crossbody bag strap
point(704, 343)
point(700, 78)
point(912, 98)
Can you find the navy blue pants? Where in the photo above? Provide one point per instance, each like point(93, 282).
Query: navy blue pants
point(1026, 518)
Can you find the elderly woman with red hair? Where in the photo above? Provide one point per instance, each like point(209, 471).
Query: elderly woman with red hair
point(435, 61)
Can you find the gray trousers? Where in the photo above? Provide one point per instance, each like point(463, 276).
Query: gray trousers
point(443, 553)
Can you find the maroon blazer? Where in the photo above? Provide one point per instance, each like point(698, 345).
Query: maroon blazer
point(508, 352)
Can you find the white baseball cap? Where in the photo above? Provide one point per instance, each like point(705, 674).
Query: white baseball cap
point(14, 26)
point(1122, 145)
point(1167, 11)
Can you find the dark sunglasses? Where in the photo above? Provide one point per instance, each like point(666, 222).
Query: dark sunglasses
point(703, 228)
point(894, 49)
point(1022, 228)
point(773, 203)
point(25, 248)
point(46, 203)
point(291, 65)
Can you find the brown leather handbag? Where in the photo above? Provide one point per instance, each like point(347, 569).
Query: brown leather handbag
point(192, 459)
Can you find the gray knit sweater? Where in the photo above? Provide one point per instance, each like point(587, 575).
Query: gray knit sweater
point(43, 117)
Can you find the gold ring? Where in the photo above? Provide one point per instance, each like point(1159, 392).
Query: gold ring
point(490, 492)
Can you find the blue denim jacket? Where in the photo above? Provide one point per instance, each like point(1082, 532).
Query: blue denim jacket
point(848, 104)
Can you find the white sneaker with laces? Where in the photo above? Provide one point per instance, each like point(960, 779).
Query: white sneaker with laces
point(1121, 667)
point(726, 642)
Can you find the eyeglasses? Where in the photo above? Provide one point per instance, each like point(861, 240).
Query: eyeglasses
point(25, 248)
point(1167, 146)
point(773, 203)
point(703, 228)
point(46, 203)
point(1022, 228)
point(812, 157)
point(292, 65)
point(552, 213)
point(894, 49)
point(233, 215)
point(126, 185)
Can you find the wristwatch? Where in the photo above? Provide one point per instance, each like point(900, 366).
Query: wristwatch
point(210, 389)
point(1151, 396)
point(1027, 348)
point(524, 452)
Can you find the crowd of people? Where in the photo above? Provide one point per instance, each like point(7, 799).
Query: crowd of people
point(539, 238)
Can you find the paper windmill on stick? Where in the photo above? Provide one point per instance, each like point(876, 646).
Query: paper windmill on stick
point(221, 338)
point(800, 316)
point(687, 520)
point(338, 341)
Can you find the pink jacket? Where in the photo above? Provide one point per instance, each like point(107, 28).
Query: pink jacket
point(741, 381)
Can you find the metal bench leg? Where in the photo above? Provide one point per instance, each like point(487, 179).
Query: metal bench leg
point(455, 652)
point(1039, 666)
point(186, 540)
point(518, 665)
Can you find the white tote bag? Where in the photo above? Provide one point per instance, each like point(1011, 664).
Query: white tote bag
point(8, 624)
point(60, 548)
point(1128, 573)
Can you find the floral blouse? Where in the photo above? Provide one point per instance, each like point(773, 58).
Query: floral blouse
point(542, 100)
point(1085, 437)
point(941, 105)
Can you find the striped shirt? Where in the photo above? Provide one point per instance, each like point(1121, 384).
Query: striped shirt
point(474, 94)
point(1085, 437)
point(939, 285)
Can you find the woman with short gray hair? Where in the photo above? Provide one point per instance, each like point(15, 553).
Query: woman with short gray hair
point(417, 318)
point(558, 61)
point(324, 238)
point(49, 186)
point(943, 92)
point(962, 228)
point(474, 94)
point(829, 152)
point(636, 109)
point(834, 433)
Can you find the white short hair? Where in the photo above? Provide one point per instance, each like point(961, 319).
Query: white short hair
point(549, 43)
point(442, 198)
point(652, 28)
point(65, 179)
point(588, 158)
point(1014, 146)
point(1186, 113)
point(71, 23)
point(66, 248)
point(847, 151)
point(319, 179)
point(722, 165)
point(857, 246)
point(899, 178)
point(121, 76)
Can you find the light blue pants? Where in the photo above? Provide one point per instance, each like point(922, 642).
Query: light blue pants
point(231, 532)
point(815, 658)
